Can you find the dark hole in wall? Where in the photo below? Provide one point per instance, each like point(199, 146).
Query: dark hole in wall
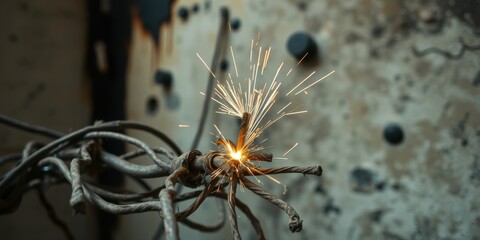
point(152, 105)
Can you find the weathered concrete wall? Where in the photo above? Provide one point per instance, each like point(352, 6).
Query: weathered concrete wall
point(425, 187)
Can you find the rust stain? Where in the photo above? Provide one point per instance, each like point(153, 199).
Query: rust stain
point(428, 132)
point(165, 28)
point(238, 6)
point(366, 228)
point(137, 23)
point(423, 68)
point(398, 157)
point(466, 85)
point(392, 8)
point(456, 112)
point(168, 26)
point(359, 109)
point(441, 174)
point(365, 77)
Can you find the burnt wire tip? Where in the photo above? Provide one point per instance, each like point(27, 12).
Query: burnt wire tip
point(315, 170)
point(243, 130)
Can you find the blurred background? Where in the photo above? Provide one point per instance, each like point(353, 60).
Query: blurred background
point(395, 128)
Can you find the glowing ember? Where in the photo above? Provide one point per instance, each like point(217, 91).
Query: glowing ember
point(236, 155)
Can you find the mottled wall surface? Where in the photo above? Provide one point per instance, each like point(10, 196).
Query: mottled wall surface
point(407, 72)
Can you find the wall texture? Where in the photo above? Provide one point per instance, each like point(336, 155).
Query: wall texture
point(395, 128)
point(406, 68)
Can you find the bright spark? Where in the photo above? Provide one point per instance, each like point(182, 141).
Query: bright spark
point(236, 155)
point(183, 125)
point(289, 150)
point(204, 63)
point(258, 98)
point(265, 59)
point(302, 59)
point(251, 51)
point(271, 178)
point(296, 86)
point(297, 112)
point(289, 71)
point(284, 108)
point(315, 82)
point(221, 135)
point(234, 62)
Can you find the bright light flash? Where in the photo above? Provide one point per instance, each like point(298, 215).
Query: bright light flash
point(236, 155)
point(257, 98)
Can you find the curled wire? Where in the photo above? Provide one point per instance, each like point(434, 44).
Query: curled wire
point(70, 157)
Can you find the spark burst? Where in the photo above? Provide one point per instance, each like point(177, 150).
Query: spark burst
point(253, 100)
